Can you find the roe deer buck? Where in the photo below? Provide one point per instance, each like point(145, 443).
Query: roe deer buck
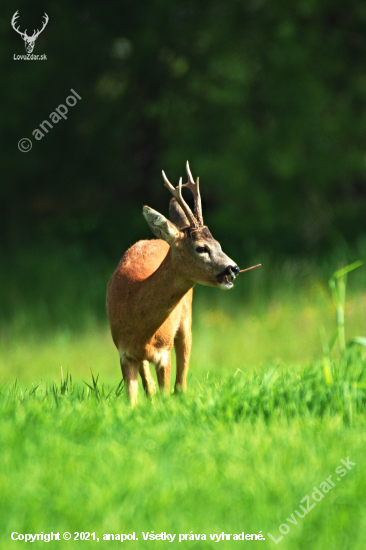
point(149, 296)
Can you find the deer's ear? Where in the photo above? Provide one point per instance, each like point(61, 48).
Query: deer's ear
point(160, 226)
point(177, 215)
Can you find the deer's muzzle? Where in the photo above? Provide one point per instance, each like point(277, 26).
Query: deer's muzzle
point(226, 278)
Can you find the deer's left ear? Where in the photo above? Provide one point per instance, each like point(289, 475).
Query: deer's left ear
point(177, 215)
point(160, 226)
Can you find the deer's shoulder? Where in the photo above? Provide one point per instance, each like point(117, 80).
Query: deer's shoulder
point(143, 258)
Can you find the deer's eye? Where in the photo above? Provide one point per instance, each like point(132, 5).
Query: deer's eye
point(202, 249)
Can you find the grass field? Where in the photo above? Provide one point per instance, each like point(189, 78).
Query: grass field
point(267, 417)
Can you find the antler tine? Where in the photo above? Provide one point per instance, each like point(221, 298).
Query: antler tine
point(189, 173)
point(195, 188)
point(177, 194)
point(14, 18)
point(37, 33)
point(13, 21)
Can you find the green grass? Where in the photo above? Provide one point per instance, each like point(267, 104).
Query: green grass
point(271, 410)
point(237, 453)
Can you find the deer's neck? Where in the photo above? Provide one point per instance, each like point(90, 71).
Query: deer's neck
point(160, 294)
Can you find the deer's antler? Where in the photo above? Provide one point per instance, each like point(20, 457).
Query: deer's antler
point(13, 21)
point(195, 219)
point(37, 33)
point(24, 34)
point(177, 194)
point(195, 188)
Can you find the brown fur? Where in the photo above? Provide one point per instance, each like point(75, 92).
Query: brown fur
point(138, 301)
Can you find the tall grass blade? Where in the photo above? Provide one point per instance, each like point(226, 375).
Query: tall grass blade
point(361, 340)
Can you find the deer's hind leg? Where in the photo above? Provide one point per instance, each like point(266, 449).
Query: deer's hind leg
point(147, 380)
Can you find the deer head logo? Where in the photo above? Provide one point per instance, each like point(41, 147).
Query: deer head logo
point(28, 40)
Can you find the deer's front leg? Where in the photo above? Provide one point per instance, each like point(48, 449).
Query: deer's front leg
point(182, 345)
point(147, 379)
point(130, 370)
point(163, 369)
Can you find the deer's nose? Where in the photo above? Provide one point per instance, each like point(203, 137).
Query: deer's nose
point(232, 270)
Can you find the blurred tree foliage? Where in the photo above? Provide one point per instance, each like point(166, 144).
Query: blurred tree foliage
point(266, 99)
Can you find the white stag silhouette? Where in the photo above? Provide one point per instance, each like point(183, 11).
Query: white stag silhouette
point(28, 40)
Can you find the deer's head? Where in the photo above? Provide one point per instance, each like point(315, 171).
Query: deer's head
point(196, 253)
point(28, 40)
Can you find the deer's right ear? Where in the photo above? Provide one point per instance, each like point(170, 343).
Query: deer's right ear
point(160, 226)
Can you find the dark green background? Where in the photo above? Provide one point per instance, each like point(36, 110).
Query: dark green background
point(266, 100)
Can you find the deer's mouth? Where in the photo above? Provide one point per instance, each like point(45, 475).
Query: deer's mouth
point(225, 281)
